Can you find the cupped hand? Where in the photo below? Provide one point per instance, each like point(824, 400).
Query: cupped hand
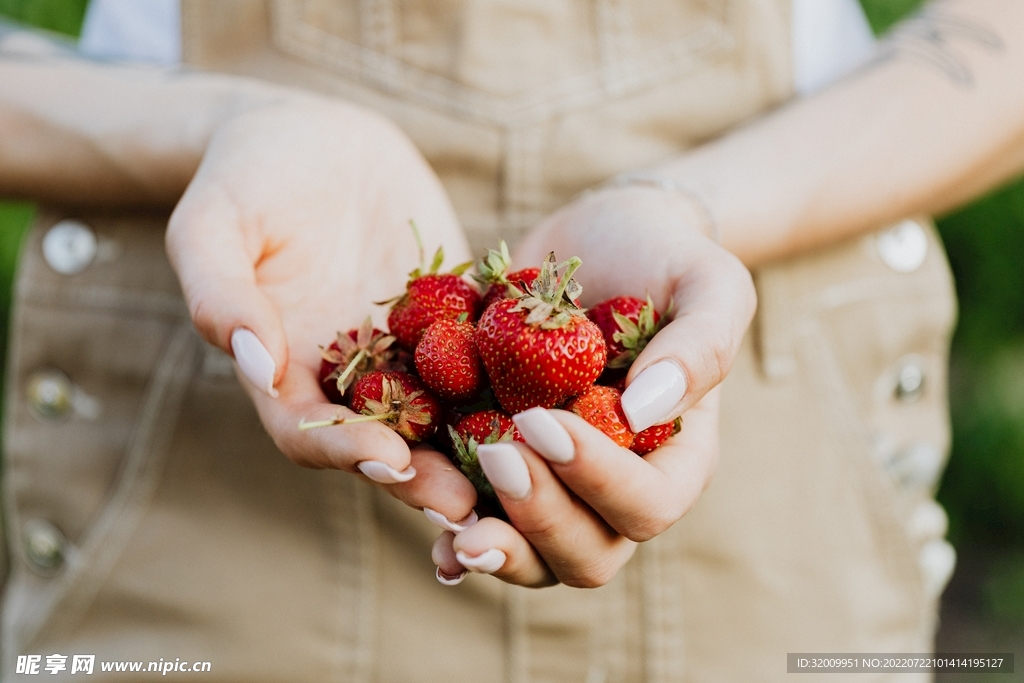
point(297, 219)
point(578, 503)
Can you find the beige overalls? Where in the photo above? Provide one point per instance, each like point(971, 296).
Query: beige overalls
point(148, 515)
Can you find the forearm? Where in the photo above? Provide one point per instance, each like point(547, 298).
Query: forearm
point(925, 128)
point(78, 132)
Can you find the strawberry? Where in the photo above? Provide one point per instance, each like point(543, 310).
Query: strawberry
point(602, 407)
point(486, 426)
point(429, 297)
point(492, 271)
point(627, 323)
point(540, 349)
point(355, 353)
point(652, 437)
point(448, 362)
point(397, 399)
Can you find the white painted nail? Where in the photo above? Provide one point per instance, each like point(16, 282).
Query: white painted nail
point(385, 474)
point(254, 360)
point(446, 580)
point(505, 469)
point(545, 434)
point(485, 563)
point(448, 525)
point(652, 395)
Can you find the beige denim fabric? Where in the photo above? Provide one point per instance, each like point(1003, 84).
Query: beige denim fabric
point(190, 536)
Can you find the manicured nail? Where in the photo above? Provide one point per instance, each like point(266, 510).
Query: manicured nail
point(446, 580)
point(545, 435)
point(505, 469)
point(254, 360)
point(652, 395)
point(448, 525)
point(485, 563)
point(385, 474)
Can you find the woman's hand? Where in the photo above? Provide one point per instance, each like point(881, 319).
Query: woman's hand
point(297, 219)
point(577, 502)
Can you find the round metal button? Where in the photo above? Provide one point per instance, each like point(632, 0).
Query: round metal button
point(927, 522)
point(45, 546)
point(917, 466)
point(903, 247)
point(49, 393)
point(69, 247)
point(909, 382)
point(936, 560)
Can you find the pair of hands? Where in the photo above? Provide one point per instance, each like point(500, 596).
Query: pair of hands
point(298, 218)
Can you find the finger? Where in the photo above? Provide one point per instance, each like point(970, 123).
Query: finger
point(577, 545)
point(216, 268)
point(439, 489)
point(692, 354)
point(367, 448)
point(492, 546)
point(639, 497)
point(449, 571)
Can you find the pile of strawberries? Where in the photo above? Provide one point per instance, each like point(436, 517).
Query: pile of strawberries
point(456, 365)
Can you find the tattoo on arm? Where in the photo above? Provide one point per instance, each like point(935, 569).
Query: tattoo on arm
point(932, 36)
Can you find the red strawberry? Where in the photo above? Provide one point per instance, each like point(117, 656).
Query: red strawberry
point(486, 426)
point(628, 324)
point(602, 407)
point(652, 437)
point(355, 353)
point(431, 297)
point(540, 349)
point(448, 362)
point(492, 272)
point(397, 399)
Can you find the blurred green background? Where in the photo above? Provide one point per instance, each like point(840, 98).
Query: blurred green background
point(983, 489)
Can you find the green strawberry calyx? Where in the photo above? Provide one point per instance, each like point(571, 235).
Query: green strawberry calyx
point(493, 268)
point(551, 299)
point(467, 460)
point(418, 272)
point(633, 336)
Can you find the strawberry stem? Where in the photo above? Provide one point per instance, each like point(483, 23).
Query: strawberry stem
point(349, 369)
point(419, 240)
point(570, 267)
point(339, 420)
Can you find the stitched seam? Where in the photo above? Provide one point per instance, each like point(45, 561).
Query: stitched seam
point(707, 42)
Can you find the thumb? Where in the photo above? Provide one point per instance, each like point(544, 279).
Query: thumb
point(216, 269)
point(693, 353)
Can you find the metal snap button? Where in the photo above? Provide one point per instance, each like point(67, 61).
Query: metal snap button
point(45, 546)
point(936, 560)
point(927, 522)
point(917, 466)
point(903, 247)
point(49, 393)
point(69, 247)
point(910, 380)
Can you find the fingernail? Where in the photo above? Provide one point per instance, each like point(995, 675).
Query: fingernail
point(485, 563)
point(254, 360)
point(650, 398)
point(545, 435)
point(446, 580)
point(385, 474)
point(505, 469)
point(448, 525)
